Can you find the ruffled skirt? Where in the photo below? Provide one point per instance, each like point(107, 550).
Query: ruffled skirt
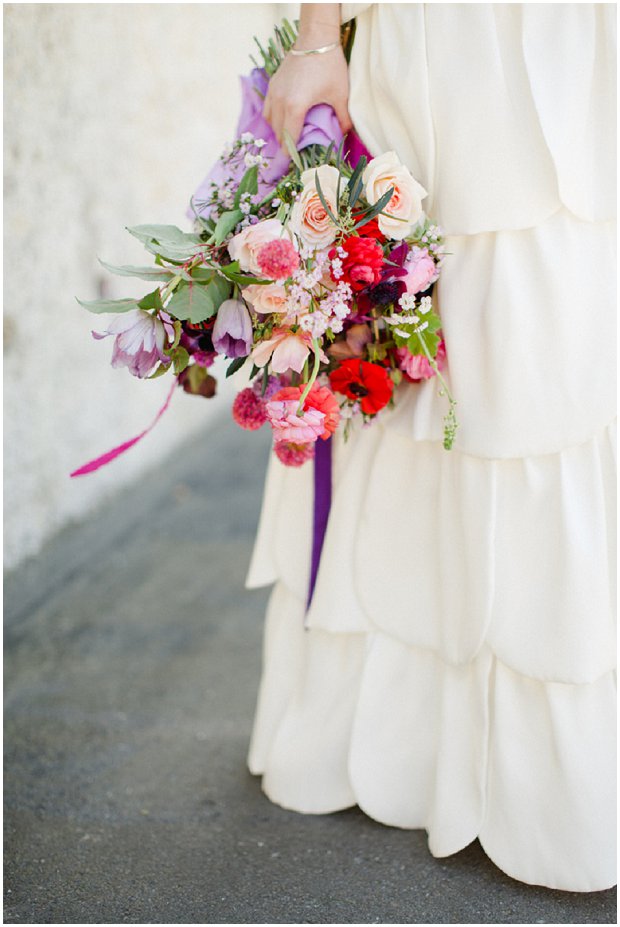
point(455, 671)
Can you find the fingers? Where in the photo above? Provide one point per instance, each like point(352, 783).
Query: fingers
point(342, 113)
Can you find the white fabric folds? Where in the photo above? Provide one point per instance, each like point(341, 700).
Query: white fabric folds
point(457, 672)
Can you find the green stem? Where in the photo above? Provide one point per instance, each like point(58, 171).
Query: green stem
point(313, 375)
point(450, 420)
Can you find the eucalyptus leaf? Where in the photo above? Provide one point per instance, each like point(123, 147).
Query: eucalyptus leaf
point(151, 301)
point(226, 223)
point(193, 302)
point(249, 184)
point(143, 273)
point(108, 305)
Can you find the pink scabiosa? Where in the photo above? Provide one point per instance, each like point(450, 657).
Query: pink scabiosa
point(139, 340)
point(293, 455)
point(278, 259)
point(249, 410)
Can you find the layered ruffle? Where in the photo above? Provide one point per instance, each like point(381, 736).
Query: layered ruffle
point(517, 99)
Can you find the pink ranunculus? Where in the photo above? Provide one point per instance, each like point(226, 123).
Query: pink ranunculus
point(421, 270)
point(286, 349)
point(289, 426)
point(416, 366)
point(232, 332)
point(139, 339)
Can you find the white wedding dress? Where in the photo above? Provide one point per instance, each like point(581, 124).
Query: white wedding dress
point(457, 673)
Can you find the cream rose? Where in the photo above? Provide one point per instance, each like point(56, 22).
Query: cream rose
point(267, 298)
point(405, 207)
point(309, 219)
point(245, 246)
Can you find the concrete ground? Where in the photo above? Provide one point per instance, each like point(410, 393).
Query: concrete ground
point(132, 664)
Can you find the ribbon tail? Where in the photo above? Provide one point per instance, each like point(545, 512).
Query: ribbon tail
point(110, 455)
point(322, 505)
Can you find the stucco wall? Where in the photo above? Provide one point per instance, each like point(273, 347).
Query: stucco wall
point(113, 114)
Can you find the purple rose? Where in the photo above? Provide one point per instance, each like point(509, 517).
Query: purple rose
point(232, 332)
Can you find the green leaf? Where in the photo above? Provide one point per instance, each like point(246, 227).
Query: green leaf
point(237, 364)
point(151, 301)
point(159, 372)
point(292, 150)
point(108, 305)
point(323, 200)
point(249, 184)
point(168, 241)
point(367, 214)
point(180, 359)
point(191, 301)
point(233, 273)
point(219, 290)
point(431, 340)
point(178, 331)
point(143, 273)
point(225, 224)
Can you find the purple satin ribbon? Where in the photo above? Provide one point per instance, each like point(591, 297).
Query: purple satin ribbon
point(354, 148)
point(322, 505)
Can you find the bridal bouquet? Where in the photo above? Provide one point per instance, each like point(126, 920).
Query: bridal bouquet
point(314, 271)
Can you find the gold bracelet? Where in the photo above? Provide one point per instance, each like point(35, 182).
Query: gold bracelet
point(314, 51)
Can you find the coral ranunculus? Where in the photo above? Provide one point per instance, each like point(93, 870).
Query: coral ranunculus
point(367, 383)
point(320, 398)
point(363, 263)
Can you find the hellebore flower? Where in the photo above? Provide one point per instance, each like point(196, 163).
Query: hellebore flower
point(287, 350)
point(232, 332)
point(139, 339)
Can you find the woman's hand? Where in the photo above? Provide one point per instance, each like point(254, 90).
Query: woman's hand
point(301, 82)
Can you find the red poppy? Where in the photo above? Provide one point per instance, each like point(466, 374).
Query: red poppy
point(360, 380)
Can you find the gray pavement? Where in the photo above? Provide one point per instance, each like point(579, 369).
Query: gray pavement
point(132, 663)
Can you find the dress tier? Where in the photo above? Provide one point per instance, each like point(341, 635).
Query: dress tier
point(458, 670)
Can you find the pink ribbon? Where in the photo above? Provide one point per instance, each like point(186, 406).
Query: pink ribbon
point(103, 459)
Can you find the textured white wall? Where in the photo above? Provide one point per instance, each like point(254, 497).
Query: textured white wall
point(113, 114)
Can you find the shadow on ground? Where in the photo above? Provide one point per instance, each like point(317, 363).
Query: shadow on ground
point(132, 664)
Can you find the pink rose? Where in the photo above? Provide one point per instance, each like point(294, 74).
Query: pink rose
point(245, 246)
point(404, 210)
point(421, 270)
point(288, 426)
point(309, 218)
point(416, 366)
point(266, 298)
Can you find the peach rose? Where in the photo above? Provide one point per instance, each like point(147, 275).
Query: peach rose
point(405, 207)
point(245, 246)
point(266, 298)
point(309, 219)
